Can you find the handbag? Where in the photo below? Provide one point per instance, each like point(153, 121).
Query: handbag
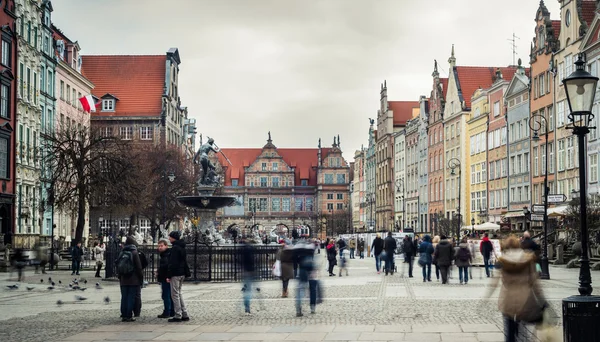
point(535, 304)
point(422, 259)
point(277, 268)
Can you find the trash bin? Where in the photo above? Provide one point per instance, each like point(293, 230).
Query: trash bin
point(581, 315)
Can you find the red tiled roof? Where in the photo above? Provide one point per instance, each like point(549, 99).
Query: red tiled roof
point(472, 78)
point(588, 11)
point(137, 81)
point(403, 111)
point(444, 82)
point(303, 159)
point(556, 28)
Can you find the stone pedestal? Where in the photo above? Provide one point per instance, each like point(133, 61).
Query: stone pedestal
point(560, 254)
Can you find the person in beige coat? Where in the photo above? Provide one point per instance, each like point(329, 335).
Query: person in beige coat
point(286, 257)
point(352, 245)
point(521, 298)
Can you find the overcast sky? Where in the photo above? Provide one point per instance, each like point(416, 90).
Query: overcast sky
point(302, 69)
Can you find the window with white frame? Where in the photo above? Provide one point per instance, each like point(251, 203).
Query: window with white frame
point(126, 132)
point(108, 105)
point(483, 171)
point(561, 155)
point(570, 154)
point(551, 160)
point(543, 153)
point(4, 161)
point(550, 118)
point(472, 174)
point(560, 114)
point(6, 53)
point(275, 166)
point(146, 133)
point(106, 131)
point(593, 168)
point(4, 101)
point(497, 108)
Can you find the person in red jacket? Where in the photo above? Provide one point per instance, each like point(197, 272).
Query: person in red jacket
point(486, 248)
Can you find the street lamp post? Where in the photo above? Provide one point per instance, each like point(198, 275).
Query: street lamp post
point(453, 164)
point(400, 182)
point(171, 178)
point(535, 126)
point(581, 314)
point(371, 200)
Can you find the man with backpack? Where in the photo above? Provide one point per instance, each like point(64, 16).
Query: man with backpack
point(177, 270)
point(129, 271)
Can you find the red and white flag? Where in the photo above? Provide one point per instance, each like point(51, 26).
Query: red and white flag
point(88, 103)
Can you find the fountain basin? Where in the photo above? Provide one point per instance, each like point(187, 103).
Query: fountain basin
point(206, 202)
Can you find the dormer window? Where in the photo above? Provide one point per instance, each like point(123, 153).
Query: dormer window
point(108, 105)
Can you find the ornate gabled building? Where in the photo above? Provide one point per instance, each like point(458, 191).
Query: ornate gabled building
point(435, 152)
point(8, 117)
point(279, 189)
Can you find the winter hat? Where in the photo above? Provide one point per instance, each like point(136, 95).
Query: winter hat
point(175, 234)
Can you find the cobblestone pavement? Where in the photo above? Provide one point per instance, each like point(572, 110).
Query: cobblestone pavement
point(362, 306)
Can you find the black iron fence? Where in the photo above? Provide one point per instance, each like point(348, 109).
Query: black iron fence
point(207, 263)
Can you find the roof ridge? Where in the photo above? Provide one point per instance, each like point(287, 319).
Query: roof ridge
point(93, 55)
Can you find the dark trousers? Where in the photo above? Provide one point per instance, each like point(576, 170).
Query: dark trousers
point(444, 272)
point(463, 274)
point(75, 266)
point(427, 271)
point(351, 253)
point(389, 262)
point(137, 307)
point(486, 263)
point(511, 329)
point(98, 269)
point(331, 264)
point(285, 284)
point(127, 300)
point(313, 286)
point(409, 260)
point(166, 297)
point(437, 272)
point(361, 254)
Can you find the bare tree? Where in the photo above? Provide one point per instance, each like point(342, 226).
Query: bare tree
point(77, 160)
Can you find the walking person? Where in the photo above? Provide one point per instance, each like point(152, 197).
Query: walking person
point(343, 263)
point(377, 249)
point(352, 247)
point(521, 298)
point(443, 255)
point(486, 248)
point(464, 258)
point(42, 258)
point(361, 248)
point(161, 276)
point(99, 257)
point(426, 257)
point(341, 245)
point(304, 254)
point(390, 248)
point(409, 252)
point(248, 272)
point(177, 270)
point(434, 243)
point(331, 256)
point(129, 271)
point(286, 257)
point(76, 257)
point(19, 262)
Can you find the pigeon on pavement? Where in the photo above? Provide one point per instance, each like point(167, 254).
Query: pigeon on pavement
point(80, 298)
point(106, 300)
point(29, 288)
point(53, 284)
point(60, 282)
point(13, 287)
point(41, 280)
point(50, 287)
point(59, 302)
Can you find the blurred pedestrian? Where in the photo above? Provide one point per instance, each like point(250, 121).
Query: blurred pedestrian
point(331, 256)
point(19, 261)
point(352, 246)
point(434, 243)
point(521, 299)
point(286, 257)
point(529, 245)
point(443, 255)
point(463, 260)
point(129, 271)
point(390, 248)
point(248, 272)
point(426, 257)
point(76, 257)
point(161, 276)
point(42, 258)
point(376, 249)
point(99, 257)
point(486, 248)
point(177, 270)
point(409, 252)
point(341, 245)
point(305, 256)
point(361, 248)
point(343, 263)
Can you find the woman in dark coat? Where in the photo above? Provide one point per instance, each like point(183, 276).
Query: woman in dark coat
point(443, 255)
point(331, 256)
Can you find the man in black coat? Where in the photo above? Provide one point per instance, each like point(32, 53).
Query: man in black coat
point(161, 277)
point(409, 253)
point(176, 272)
point(389, 246)
point(377, 248)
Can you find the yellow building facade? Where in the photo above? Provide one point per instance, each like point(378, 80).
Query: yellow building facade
point(477, 158)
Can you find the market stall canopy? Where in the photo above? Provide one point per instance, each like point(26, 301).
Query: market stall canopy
point(487, 226)
point(561, 210)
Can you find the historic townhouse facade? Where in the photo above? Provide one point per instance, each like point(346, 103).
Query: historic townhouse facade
point(139, 100)
point(47, 107)
point(477, 171)
point(370, 178)
point(8, 116)
point(279, 189)
point(411, 181)
point(400, 178)
point(392, 116)
point(543, 67)
point(576, 18)
point(358, 190)
point(29, 122)
point(423, 193)
point(591, 47)
point(70, 86)
point(519, 180)
point(435, 133)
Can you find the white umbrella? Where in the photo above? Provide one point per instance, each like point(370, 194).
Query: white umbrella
point(487, 226)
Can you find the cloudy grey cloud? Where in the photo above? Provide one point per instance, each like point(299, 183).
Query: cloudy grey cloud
point(302, 69)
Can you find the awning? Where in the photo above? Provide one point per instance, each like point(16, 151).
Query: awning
point(561, 210)
point(514, 214)
point(487, 226)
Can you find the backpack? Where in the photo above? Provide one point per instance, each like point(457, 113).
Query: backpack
point(124, 263)
point(463, 254)
point(143, 259)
